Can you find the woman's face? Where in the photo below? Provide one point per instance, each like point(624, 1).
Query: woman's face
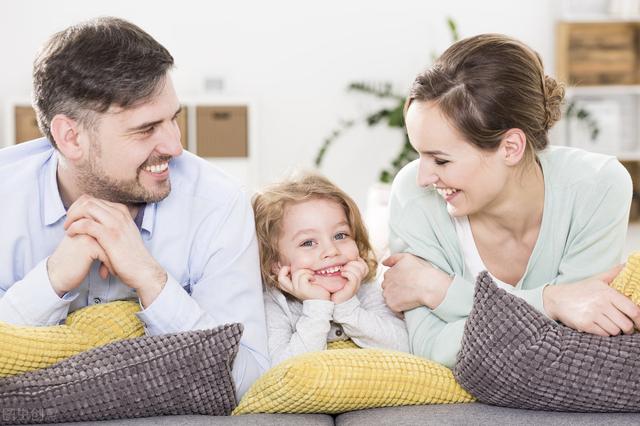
point(467, 178)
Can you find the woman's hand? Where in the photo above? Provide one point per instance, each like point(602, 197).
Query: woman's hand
point(411, 282)
point(300, 285)
point(592, 306)
point(354, 272)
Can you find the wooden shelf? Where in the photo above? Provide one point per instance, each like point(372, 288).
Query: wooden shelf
point(603, 90)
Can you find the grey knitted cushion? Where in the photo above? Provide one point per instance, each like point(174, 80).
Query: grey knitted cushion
point(514, 356)
point(182, 373)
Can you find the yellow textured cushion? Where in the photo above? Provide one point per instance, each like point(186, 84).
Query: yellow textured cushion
point(341, 380)
point(342, 344)
point(25, 349)
point(628, 280)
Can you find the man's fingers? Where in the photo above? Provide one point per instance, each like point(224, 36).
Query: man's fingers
point(84, 227)
point(87, 209)
point(97, 210)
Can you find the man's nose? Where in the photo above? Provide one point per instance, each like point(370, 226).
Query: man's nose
point(170, 144)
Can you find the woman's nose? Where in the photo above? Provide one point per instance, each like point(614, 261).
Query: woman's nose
point(426, 177)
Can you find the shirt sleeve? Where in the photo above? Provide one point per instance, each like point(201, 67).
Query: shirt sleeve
point(33, 302)
point(369, 322)
point(308, 333)
point(228, 290)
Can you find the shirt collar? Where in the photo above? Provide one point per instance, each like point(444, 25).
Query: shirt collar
point(53, 209)
point(148, 218)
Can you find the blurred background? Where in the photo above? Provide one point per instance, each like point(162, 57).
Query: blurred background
point(268, 87)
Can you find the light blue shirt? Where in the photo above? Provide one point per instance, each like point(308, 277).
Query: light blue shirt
point(203, 235)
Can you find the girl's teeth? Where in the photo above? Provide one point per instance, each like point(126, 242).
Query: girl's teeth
point(329, 270)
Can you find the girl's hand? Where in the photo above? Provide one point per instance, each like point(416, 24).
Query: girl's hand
point(300, 285)
point(592, 306)
point(411, 282)
point(354, 272)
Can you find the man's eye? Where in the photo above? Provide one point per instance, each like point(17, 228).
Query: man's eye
point(440, 162)
point(306, 243)
point(147, 131)
point(341, 236)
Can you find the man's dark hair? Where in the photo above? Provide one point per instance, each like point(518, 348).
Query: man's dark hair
point(90, 66)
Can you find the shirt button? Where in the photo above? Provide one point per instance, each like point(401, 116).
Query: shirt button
point(97, 300)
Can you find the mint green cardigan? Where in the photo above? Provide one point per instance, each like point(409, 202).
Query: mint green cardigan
point(584, 223)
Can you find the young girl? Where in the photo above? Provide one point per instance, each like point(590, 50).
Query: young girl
point(318, 268)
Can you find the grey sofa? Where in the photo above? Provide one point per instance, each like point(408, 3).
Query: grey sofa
point(444, 414)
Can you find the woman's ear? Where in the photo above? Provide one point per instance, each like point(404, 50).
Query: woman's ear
point(514, 146)
point(64, 131)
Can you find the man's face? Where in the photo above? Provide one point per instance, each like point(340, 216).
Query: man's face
point(129, 150)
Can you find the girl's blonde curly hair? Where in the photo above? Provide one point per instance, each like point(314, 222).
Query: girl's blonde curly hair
point(269, 208)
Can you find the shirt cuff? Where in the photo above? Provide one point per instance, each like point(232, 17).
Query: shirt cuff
point(342, 311)
point(33, 301)
point(320, 309)
point(457, 302)
point(172, 311)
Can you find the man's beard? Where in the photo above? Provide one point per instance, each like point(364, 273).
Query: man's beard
point(92, 180)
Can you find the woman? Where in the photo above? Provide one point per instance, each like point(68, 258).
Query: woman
point(487, 193)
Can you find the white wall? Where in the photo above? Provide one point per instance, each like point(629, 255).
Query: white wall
point(293, 58)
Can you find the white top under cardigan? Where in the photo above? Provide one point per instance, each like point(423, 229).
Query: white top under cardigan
point(296, 327)
point(472, 260)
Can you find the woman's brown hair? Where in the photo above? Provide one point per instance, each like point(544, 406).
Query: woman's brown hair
point(269, 208)
point(488, 84)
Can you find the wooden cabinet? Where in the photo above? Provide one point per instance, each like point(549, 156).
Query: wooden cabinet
point(25, 124)
point(221, 131)
point(598, 53)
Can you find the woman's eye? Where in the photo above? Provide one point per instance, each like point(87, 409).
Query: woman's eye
point(341, 235)
point(440, 162)
point(306, 243)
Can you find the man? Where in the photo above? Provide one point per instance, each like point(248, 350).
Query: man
point(108, 207)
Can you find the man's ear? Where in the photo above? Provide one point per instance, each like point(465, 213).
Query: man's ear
point(514, 146)
point(65, 131)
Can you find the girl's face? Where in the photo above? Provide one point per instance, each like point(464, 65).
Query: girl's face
point(316, 236)
point(468, 179)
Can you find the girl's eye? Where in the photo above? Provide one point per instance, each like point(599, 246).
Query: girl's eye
point(440, 162)
point(341, 236)
point(307, 243)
